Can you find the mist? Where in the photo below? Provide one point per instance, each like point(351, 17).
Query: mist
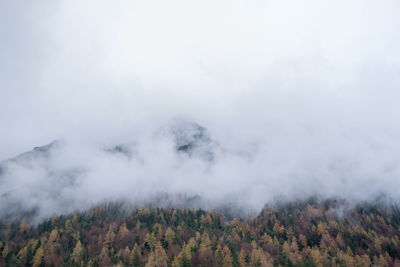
point(232, 101)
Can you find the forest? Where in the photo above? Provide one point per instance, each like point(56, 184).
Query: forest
point(298, 233)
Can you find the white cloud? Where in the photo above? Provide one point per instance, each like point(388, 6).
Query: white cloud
point(310, 88)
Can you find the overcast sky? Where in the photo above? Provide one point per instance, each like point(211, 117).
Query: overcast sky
point(96, 68)
point(311, 82)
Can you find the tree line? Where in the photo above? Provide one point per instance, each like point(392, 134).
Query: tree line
point(301, 233)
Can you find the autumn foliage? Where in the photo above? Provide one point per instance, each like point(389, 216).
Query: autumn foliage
point(311, 233)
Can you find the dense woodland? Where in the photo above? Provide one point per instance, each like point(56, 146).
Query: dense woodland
point(311, 233)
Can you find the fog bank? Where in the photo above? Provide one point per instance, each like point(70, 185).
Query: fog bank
point(295, 99)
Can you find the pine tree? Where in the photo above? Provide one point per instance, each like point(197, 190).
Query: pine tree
point(24, 226)
point(161, 257)
point(77, 253)
point(123, 230)
point(227, 260)
point(53, 236)
point(5, 251)
point(22, 256)
point(38, 258)
point(242, 258)
point(134, 257)
point(151, 240)
point(151, 260)
point(125, 254)
point(169, 236)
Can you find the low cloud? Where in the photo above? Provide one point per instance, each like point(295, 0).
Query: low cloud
point(295, 99)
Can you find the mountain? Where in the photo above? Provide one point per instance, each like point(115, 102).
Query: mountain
point(53, 178)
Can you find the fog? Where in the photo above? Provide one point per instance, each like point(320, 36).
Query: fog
point(296, 99)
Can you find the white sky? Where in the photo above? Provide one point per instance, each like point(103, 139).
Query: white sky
point(69, 68)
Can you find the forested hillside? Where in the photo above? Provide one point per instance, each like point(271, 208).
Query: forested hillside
point(311, 233)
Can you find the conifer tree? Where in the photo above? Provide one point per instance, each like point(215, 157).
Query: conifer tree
point(77, 253)
point(161, 257)
point(227, 260)
point(169, 236)
point(38, 258)
point(134, 257)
